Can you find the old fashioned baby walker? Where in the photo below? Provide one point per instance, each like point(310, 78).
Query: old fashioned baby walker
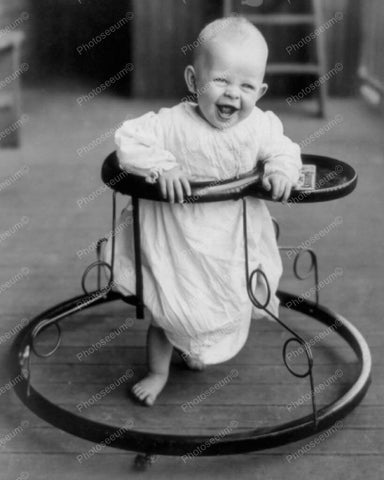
point(333, 179)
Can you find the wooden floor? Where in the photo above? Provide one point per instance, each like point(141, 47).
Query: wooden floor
point(258, 390)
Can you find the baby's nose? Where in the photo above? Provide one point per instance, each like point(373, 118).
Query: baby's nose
point(232, 91)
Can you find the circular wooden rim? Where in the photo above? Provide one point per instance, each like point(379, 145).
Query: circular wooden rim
point(164, 444)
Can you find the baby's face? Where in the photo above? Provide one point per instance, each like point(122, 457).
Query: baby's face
point(229, 82)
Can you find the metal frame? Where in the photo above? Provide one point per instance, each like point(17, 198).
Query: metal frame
point(151, 443)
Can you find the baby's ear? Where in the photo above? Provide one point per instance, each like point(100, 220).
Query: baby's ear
point(190, 78)
point(262, 91)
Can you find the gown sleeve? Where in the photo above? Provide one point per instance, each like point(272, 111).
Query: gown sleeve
point(278, 153)
point(140, 147)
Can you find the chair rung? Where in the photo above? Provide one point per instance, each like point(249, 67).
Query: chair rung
point(294, 68)
point(11, 39)
point(6, 101)
point(282, 19)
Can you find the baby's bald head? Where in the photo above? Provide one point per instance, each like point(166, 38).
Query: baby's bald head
point(231, 31)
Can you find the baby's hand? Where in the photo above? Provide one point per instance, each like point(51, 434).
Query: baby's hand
point(280, 184)
point(173, 183)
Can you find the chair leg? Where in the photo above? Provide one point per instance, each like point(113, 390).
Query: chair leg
point(321, 58)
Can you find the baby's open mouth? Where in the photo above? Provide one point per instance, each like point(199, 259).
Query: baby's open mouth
point(226, 111)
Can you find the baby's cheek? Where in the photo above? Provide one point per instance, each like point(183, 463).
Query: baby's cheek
point(245, 111)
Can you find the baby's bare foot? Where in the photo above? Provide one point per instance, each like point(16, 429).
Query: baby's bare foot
point(194, 363)
point(149, 387)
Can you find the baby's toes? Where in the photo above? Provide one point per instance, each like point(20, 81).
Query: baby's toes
point(149, 400)
point(138, 390)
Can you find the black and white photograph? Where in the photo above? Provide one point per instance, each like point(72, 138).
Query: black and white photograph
point(191, 198)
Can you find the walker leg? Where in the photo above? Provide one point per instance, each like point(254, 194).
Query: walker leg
point(144, 460)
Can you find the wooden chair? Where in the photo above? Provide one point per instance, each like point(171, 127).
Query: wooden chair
point(313, 19)
point(10, 98)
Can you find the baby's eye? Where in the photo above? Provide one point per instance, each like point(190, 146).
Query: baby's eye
point(221, 80)
point(248, 86)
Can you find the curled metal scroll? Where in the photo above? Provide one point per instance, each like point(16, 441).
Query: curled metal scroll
point(93, 265)
point(300, 252)
point(250, 277)
point(44, 323)
point(101, 293)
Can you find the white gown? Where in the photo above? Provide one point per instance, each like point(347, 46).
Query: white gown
point(193, 254)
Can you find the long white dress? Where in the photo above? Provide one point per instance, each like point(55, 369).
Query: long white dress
point(193, 254)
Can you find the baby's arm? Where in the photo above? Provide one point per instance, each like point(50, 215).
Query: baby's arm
point(281, 159)
point(140, 150)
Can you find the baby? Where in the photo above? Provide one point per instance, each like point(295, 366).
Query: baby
point(193, 254)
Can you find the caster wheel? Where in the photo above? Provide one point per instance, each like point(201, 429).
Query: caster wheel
point(144, 461)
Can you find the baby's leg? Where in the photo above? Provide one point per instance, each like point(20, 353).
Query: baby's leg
point(159, 351)
point(191, 362)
